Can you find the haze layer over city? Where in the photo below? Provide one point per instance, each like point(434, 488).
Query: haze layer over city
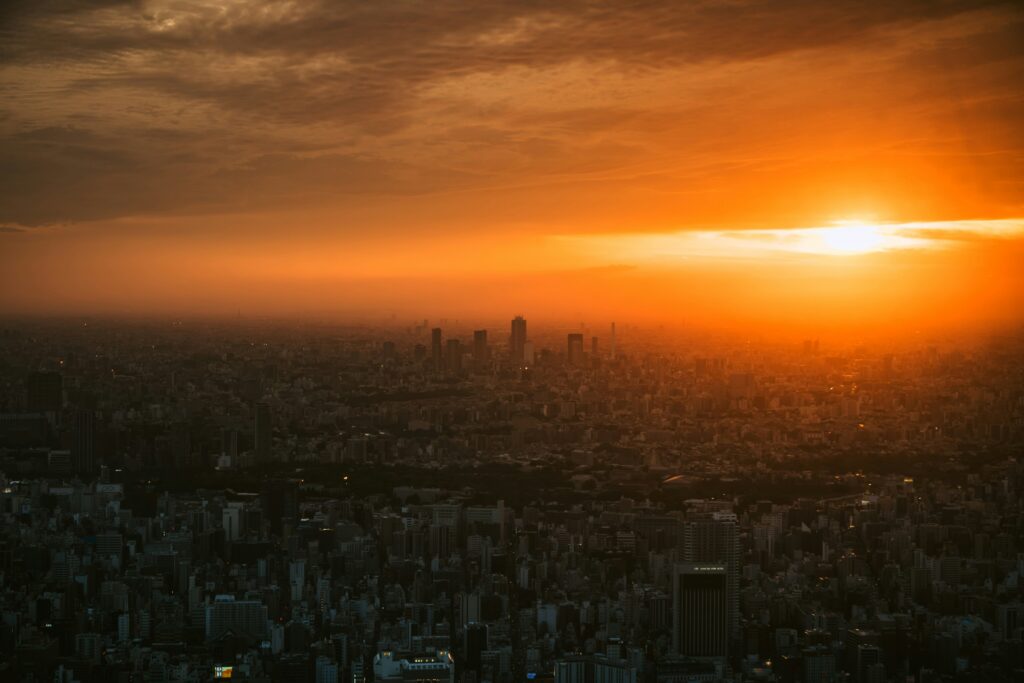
point(506, 342)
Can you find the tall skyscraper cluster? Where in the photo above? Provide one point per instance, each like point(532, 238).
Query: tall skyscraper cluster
point(452, 355)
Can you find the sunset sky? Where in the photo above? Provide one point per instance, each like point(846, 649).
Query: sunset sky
point(806, 164)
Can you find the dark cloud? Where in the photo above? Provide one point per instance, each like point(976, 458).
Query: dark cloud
point(388, 35)
point(372, 56)
point(183, 107)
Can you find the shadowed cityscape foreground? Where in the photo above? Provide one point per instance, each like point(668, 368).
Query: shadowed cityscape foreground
point(186, 500)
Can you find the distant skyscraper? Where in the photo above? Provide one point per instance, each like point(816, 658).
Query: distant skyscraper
point(611, 346)
point(518, 338)
point(700, 610)
point(229, 442)
point(44, 392)
point(435, 348)
point(528, 353)
point(593, 347)
point(262, 429)
point(453, 355)
point(480, 347)
point(575, 349)
point(83, 442)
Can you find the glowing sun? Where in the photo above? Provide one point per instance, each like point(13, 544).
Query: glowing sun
point(851, 237)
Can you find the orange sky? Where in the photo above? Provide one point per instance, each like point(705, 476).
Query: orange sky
point(597, 160)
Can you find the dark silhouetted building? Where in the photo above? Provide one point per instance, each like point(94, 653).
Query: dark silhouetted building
point(575, 349)
point(700, 611)
point(83, 442)
point(436, 356)
point(518, 338)
point(453, 355)
point(280, 502)
point(713, 539)
point(475, 644)
point(480, 350)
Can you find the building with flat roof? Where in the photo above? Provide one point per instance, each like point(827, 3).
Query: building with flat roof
point(435, 667)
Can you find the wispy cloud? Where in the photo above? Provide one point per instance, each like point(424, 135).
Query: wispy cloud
point(842, 239)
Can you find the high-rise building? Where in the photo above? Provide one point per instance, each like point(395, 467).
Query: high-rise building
point(229, 442)
point(436, 667)
point(613, 670)
point(611, 346)
point(480, 350)
point(518, 338)
point(819, 665)
point(453, 356)
point(594, 669)
point(700, 611)
point(572, 670)
point(280, 502)
point(575, 349)
point(83, 442)
point(262, 429)
point(246, 619)
point(340, 641)
point(436, 357)
point(713, 539)
point(231, 521)
point(869, 665)
point(326, 670)
point(44, 392)
point(475, 639)
point(124, 630)
point(593, 347)
point(88, 646)
point(440, 540)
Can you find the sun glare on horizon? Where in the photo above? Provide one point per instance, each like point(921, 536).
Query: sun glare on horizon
point(852, 237)
point(839, 238)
